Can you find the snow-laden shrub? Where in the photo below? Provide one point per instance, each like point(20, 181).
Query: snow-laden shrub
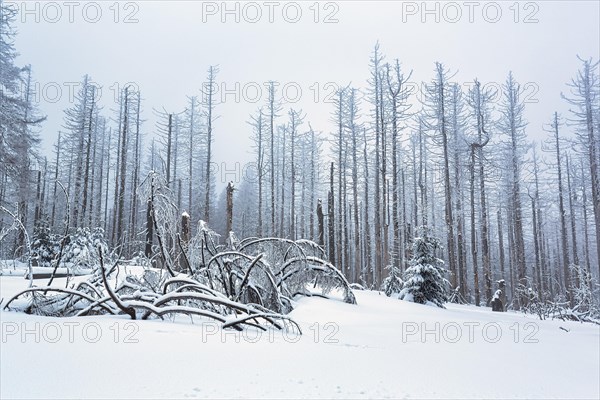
point(44, 245)
point(140, 259)
point(424, 280)
point(392, 284)
point(583, 306)
point(585, 293)
point(81, 252)
point(300, 267)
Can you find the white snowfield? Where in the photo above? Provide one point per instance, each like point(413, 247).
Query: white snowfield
point(380, 348)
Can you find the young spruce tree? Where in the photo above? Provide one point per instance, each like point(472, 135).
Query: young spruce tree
point(424, 280)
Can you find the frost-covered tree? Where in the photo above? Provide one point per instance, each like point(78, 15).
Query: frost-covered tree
point(81, 251)
point(393, 283)
point(584, 289)
point(209, 93)
point(513, 125)
point(11, 103)
point(44, 246)
point(18, 119)
point(424, 280)
point(583, 97)
point(80, 123)
point(437, 112)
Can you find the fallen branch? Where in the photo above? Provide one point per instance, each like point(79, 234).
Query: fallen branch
point(58, 290)
point(126, 309)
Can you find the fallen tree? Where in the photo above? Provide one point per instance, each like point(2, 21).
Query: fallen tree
point(252, 282)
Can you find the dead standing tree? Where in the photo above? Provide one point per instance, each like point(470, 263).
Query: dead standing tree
point(230, 190)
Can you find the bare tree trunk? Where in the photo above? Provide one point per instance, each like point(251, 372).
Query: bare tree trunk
point(210, 107)
point(461, 256)
point(303, 221)
point(537, 270)
point(38, 198)
point(229, 225)
point(169, 149)
point(561, 210)
point(501, 245)
point(136, 171)
point(394, 92)
point(512, 262)
point(344, 201)
point(55, 188)
point(485, 246)
point(340, 151)
point(272, 152)
point(282, 232)
point(108, 153)
point(573, 222)
point(415, 206)
point(80, 162)
point(260, 173)
point(185, 229)
point(514, 108)
point(358, 262)
point(191, 155)
point(403, 231)
point(321, 239)
point(422, 178)
point(87, 158)
point(384, 181)
point(367, 263)
point(293, 128)
point(117, 170)
point(123, 172)
point(449, 217)
point(176, 179)
point(474, 255)
point(331, 218)
point(377, 188)
point(149, 227)
point(44, 196)
point(540, 231)
point(313, 166)
point(585, 218)
point(93, 178)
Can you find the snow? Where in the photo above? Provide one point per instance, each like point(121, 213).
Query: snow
point(380, 348)
point(13, 267)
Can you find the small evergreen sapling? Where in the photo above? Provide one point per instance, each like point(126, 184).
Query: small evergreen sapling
point(44, 246)
point(393, 283)
point(424, 280)
point(81, 250)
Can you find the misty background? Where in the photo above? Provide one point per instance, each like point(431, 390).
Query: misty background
point(165, 47)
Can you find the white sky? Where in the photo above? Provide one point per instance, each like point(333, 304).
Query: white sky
point(168, 50)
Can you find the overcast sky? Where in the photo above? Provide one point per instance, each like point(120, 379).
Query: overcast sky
point(165, 47)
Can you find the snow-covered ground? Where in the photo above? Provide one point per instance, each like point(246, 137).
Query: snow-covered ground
point(380, 348)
